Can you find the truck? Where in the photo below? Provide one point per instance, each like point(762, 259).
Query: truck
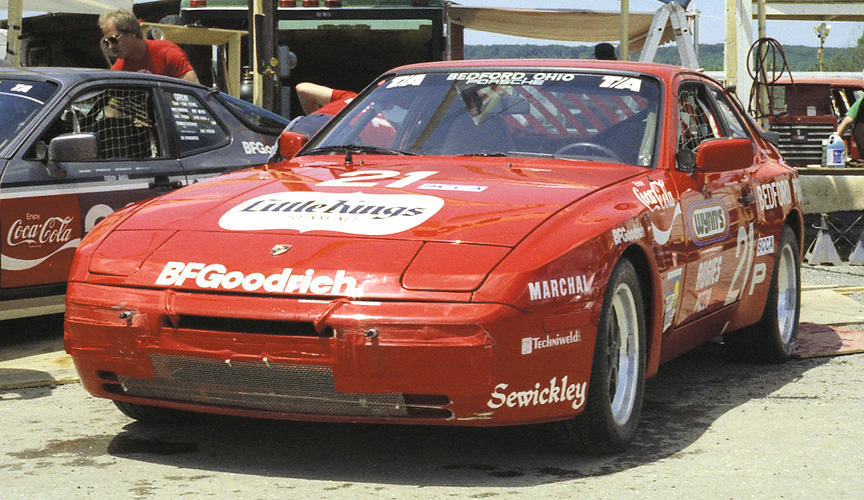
point(806, 111)
point(342, 44)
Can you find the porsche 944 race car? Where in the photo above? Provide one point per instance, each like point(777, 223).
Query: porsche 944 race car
point(472, 243)
point(77, 144)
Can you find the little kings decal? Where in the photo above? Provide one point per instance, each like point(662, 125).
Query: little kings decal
point(351, 213)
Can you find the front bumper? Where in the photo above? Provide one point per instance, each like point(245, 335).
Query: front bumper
point(435, 363)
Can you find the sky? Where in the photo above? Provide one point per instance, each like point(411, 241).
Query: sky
point(712, 22)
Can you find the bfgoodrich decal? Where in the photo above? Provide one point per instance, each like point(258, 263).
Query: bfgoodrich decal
point(352, 213)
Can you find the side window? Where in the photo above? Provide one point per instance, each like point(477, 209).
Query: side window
point(197, 128)
point(696, 121)
point(122, 119)
point(727, 111)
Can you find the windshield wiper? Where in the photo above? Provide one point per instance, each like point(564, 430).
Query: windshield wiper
point(355, 149)
point(484, 154)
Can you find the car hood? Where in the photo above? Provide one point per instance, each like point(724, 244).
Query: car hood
point(384, 225)
point(490, 200)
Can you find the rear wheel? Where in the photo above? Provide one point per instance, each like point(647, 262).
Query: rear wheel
point(617, 382)
point(772, 339)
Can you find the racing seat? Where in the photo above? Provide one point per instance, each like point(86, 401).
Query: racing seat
point(467, 137)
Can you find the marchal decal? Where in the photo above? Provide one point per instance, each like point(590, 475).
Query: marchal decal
point(351, 213)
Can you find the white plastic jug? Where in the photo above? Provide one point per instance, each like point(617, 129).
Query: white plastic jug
point(835, 152)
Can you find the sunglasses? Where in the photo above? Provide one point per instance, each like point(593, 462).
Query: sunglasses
point(112, 40)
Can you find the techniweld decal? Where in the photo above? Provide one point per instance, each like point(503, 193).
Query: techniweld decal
point(217, 276)
point(350, 213)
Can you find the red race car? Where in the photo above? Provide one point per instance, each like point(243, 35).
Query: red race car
point(472, 243)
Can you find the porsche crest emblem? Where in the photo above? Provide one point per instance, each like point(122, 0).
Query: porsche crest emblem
point(279, 250)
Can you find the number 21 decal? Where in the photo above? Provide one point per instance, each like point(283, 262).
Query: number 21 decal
point(745, 252)
point(371, 178)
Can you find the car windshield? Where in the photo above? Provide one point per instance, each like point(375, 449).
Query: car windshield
point(20, 101)
point(557, 114)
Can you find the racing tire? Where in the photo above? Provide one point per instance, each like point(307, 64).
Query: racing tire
point(149, 414)
point(772, 339)
point(617, 384)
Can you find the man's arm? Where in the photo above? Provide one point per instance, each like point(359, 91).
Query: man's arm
point(190, 76)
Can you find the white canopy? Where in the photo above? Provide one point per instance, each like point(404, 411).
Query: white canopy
point(15, 9)
point(565, 25)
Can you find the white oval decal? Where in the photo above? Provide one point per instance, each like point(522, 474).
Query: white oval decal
point(351, 213)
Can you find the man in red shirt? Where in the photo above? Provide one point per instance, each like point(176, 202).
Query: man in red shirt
point(123, 36)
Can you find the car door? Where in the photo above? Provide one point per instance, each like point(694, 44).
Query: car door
point(719, 212)
point(48, 206)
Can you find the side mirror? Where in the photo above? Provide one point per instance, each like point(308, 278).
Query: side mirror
point(722, 155)
point(290, 143)
point(71, 147)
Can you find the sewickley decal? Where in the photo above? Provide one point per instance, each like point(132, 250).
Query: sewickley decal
point(350, 213)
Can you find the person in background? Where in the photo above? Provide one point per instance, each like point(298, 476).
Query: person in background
point(316, 98)
point(853, 119)
point(604, 51)
point(123, 36)
point(320, 103)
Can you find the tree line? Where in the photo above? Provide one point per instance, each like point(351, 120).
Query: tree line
point(798, 57)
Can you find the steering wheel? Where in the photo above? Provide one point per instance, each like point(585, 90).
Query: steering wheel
point(605, 152)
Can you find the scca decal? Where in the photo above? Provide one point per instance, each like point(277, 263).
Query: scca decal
point(708, 221)
point(218, 276)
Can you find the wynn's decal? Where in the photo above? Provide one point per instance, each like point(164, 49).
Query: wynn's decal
point(708, 221)
point(561, 287)
point(551, 393)
point(351, 213)
point(217, 276)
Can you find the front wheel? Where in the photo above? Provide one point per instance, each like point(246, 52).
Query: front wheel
point(617, 382)
point(772, 339)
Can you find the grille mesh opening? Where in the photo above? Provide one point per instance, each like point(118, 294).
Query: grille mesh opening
point(252, 326)
point(258, 385)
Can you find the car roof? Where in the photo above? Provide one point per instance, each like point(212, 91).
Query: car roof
point(660, 70)
point(75, 75)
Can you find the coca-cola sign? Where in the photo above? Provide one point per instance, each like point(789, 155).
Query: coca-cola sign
point(37, 243)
